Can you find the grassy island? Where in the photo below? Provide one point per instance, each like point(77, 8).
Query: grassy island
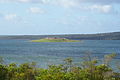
point(54, 40)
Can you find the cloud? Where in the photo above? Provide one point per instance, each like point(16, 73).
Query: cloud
point(66, 3)
point(36, 10)
point(10, 17)
point(14, 18)
point(50, 1)
point(103, 4)
point(100, 1)
point(23, 1)
point(101, 8)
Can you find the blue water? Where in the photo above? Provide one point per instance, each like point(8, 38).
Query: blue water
point(21, 51)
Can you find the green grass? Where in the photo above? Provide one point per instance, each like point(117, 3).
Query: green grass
point(54, 40)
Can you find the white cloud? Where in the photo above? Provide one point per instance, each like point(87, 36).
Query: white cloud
point(66, 3)
point(98, 8)
point(10, 17)
point(36, 10)
point(24, 1)
point(95, 6)
point(78, 1)
point(100, 1)
point(14, 18)
point(102, 8)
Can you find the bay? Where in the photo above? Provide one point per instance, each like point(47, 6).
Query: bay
point(47, 53)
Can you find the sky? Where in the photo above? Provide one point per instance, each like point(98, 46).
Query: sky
point(43, 17)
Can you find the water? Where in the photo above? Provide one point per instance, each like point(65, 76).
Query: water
point(21, 51)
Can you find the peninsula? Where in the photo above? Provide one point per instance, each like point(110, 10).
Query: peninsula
point(54, 40)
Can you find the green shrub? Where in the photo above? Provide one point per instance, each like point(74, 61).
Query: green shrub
point(90, 70)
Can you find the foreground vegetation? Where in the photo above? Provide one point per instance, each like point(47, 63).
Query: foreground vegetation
point(54, 40)
point(89, 70)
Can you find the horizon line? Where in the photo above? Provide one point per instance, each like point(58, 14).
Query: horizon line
point(59, 34)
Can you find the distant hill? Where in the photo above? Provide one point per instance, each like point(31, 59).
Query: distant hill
point(100, 36)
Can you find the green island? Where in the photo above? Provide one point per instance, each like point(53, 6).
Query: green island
point(54, 40)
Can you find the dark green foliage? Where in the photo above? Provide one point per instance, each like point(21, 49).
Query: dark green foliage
point(1, 60)
point(3, 72)
point(89, 70)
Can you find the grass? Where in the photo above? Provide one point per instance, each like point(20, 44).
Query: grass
point(54, 40)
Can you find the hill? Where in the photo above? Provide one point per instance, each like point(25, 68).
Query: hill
point(100, 36)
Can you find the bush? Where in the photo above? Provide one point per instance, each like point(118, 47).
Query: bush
point(89, 70)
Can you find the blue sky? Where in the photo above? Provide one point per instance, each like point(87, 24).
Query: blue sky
point(34, 17)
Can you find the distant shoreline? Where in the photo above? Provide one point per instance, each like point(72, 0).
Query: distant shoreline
point(99, 36)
